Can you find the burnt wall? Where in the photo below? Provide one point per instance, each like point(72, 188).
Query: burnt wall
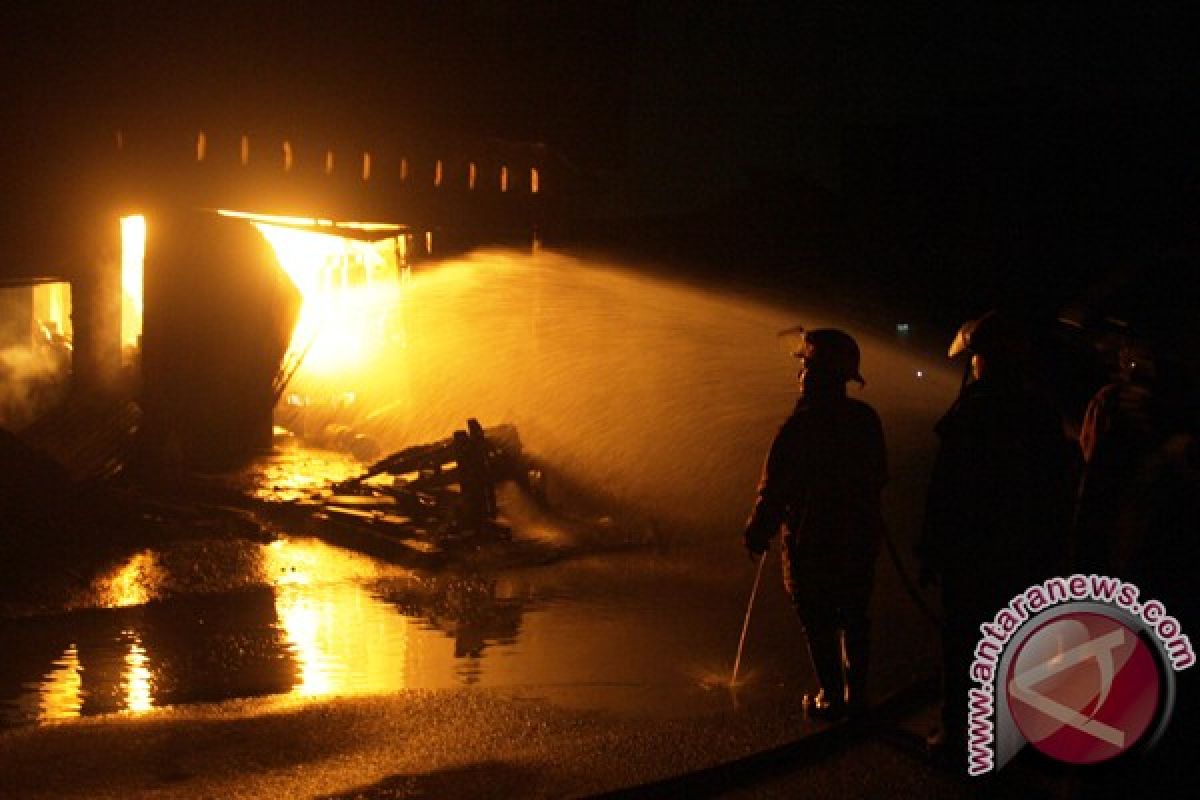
point(219, 315)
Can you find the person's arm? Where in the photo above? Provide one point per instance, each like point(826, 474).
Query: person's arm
point(1096, 421)
point(774, 490)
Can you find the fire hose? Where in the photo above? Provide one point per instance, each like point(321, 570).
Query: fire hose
point(906, 581)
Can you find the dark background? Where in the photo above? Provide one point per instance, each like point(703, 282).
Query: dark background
point(979, 152)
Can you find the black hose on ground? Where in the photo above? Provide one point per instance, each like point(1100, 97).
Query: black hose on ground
point(910, 586)
point(781, 760)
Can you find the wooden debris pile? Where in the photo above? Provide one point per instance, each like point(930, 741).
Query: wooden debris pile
point(435, 492)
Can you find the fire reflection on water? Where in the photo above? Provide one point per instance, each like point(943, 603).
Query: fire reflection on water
point(332, 637)
point(333, 627)
point(138, 694)
point(60, 694)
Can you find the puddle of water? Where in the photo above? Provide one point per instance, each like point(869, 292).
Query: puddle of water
point(298, 474)
point(315, 621)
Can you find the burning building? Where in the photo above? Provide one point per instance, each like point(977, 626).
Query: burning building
point(206, 270)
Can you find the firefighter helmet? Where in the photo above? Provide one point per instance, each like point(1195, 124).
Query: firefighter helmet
point(832, 350)
point(994, 335)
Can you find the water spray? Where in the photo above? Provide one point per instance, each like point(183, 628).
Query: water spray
point(737, 662)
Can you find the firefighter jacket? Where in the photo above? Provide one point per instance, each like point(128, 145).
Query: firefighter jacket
point(822, 479)
point(998, 503)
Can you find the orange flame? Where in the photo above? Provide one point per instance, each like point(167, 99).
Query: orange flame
point(350, 289)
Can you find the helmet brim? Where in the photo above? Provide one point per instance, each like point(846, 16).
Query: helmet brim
point(961, 343)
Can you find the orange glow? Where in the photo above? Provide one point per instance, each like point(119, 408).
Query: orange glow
point(404, 169)
point(534, 186)
point(369, 226)
point(52, 309)
point(133, 256)
point(471, 171)
point(437, 173)
point(201, 146)
point(504, 179)
point(60, 694)
point(139, 697)
point(330, 626)
point(287, 156)
point(312, 222)
point(132, 584)
point(328, 162)
point(350, 288)
point(245, 150)
point(366, 167)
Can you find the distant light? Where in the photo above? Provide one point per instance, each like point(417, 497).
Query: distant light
point(534, 186)
point(472, 171)
point(287, 156)
point(902, 328)
point(366, 167)
point(328, 162)
point(437, 173)
point(245, 154)
point(201, 146)
point(920, 374)
point(404, 169)
point(504, 179)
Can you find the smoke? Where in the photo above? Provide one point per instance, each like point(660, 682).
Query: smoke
point(661, 395)
point(31, 380)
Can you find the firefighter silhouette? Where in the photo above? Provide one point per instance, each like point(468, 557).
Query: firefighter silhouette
point(998, 503)
point(822, 482)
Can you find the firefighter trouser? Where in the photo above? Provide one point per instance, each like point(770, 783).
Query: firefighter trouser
point(833, 610)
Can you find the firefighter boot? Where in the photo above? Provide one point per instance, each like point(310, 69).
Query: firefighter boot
point(825, 651)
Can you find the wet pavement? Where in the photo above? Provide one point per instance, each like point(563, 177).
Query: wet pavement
point(589, 654)
point(226, 667)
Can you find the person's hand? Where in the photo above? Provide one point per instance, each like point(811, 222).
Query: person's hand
point(756, 543)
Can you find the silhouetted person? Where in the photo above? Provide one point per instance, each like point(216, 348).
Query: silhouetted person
point(1138, 441)
point(997, 510)
point(1138, 519)
point(822, 480)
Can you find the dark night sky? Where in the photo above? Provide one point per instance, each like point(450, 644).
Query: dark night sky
point(607, 82)
point(1011, 109)
point(527, 71)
